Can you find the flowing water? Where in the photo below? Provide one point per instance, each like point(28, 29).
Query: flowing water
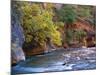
point(59, 60)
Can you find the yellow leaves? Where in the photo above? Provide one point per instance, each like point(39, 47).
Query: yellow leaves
point(31, 9)
point(48, 14)
point(29, 38)
point(35, 7)
point(45, 23)
point(59, 24)
point(39, 23)
point(56, 38)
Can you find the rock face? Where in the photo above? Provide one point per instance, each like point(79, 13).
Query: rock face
point(17, 37)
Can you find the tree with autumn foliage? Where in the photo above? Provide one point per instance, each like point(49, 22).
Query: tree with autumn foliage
point(38, 25)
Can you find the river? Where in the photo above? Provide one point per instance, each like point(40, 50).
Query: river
point(72, 59)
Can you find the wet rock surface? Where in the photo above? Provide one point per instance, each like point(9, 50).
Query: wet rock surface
point(59, 60)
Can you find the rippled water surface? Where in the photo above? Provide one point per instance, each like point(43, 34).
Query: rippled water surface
point(60, 60)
